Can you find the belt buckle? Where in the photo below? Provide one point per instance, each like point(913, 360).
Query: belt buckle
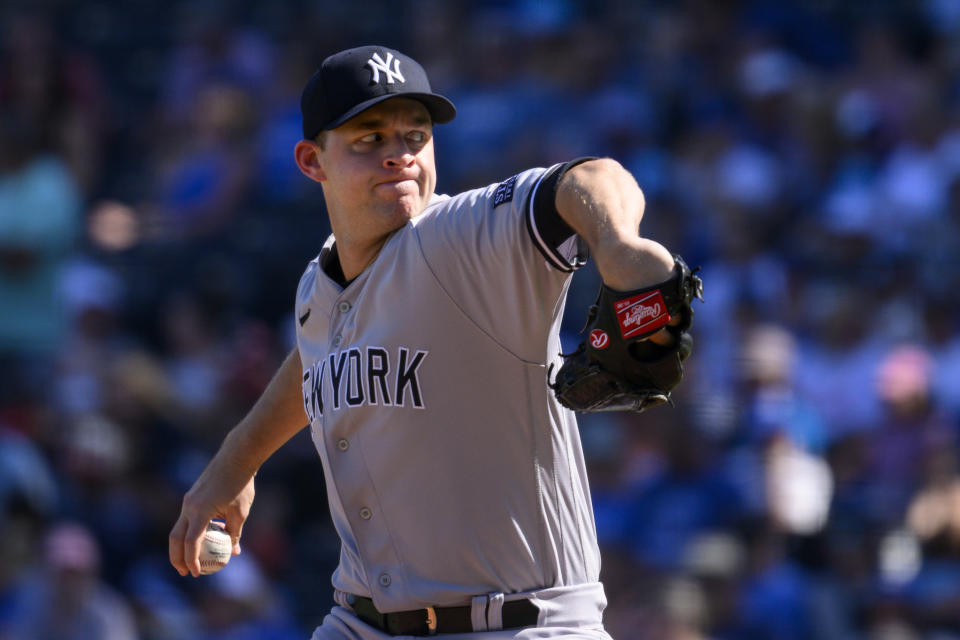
point(431, 621)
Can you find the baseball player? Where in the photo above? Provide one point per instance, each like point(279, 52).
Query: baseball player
point(428, 367)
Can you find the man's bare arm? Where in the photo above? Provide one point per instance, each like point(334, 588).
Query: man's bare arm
point(225, 488)
point(602, 202)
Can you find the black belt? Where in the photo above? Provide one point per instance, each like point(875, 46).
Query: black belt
point(435, 620)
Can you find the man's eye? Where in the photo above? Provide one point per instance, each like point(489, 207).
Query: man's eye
point(418, 136)
point(373, 137)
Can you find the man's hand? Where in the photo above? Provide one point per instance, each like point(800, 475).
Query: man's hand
point(210, 497)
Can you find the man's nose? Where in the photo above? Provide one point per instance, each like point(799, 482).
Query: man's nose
point(398, 153)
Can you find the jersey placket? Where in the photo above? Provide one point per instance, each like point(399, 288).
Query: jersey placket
point(355, 486)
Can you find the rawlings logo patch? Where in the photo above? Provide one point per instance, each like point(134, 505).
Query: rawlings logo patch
point(504, 192)
point(599, 339)
point(640, 314)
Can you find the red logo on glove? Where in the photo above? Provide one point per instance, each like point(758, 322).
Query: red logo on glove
point(599, 339)
point(641, 314)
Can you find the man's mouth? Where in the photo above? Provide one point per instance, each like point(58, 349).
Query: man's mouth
point(398, 182)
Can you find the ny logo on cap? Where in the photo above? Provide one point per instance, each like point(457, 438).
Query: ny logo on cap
point(378, 64)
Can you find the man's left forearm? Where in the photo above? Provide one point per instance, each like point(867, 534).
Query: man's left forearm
point(602, 202)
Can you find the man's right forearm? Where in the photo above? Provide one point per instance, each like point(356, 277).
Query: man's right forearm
point(275, 418)
point(225, 489)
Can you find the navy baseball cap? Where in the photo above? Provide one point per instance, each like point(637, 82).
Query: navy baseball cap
point(356, 79)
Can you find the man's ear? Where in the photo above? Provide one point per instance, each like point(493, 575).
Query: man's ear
point(307, 155)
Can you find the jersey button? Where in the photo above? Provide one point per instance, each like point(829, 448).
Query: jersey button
point(385, 580)
point(336, 340)
point(342, 444)
point(366, 514)
point(344, 306)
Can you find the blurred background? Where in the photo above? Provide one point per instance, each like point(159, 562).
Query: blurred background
point(153, 227)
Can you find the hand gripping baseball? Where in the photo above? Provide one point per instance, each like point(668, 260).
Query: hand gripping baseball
point(212, 496)
point(616, 368)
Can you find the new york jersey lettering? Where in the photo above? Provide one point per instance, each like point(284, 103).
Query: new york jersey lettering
point(407, 376)
point(365, 376)
point(336, 375)
point(378, 367)
point(312, 385)
point(355, 378)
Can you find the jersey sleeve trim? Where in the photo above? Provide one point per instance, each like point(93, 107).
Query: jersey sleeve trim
point(550, 233)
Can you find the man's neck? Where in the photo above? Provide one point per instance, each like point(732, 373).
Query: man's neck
point(358, 245)
point(354, 256)
point(332, 267)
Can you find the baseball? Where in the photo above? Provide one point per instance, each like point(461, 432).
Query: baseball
point(215, 549)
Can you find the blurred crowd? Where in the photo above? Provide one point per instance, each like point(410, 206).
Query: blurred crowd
point(153, 226)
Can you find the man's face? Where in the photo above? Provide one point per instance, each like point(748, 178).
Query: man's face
point(378, 167)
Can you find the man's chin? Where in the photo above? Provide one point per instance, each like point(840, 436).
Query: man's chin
point(408, 206)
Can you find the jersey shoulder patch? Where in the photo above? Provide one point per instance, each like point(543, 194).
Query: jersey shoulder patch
point(504, 192)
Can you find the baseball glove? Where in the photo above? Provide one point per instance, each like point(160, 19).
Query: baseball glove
point(615, 368)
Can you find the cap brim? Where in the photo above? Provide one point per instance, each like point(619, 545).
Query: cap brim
point(441, 110)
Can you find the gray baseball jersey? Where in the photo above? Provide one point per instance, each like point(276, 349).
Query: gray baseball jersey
point(451, 470)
